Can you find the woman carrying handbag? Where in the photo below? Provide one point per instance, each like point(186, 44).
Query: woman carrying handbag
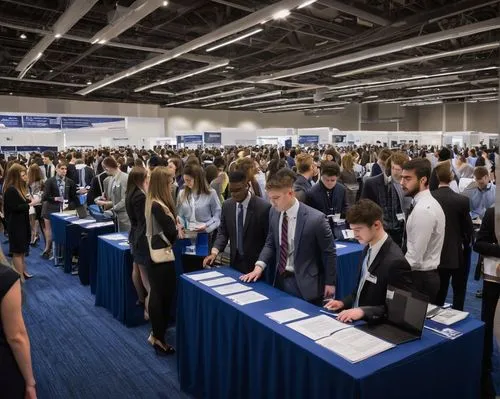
point(161, 232)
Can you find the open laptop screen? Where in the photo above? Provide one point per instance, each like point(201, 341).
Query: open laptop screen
point(406, 310)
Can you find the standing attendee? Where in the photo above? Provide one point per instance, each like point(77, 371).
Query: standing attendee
point(247, 165)
point(135, 204)
point(57, 190)
point(457, 238)
point(425, 228)
point(244, 222)
point(16, 203)
point(198, 209)
point(444, 154)
point(482, 196)
point(16, 372)
point(305, 171)
point(383, 264)
point(85, 175)
point(35, 188)
point(71, 164)
point(96, 187)
point(472, 158)
point(48, 169)
point(379, 166)
point(386, 191)
point(115, 187)
point(161, 219)
point(299, 242)
point(220, 183)
point(176, 163)
point(487, 246)
point(349, 179)
point(328, 196)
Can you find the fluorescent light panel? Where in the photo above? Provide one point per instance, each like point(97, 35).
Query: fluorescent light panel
point(280, 100)
point(299, 106)
point(236, 39)
point(306, 3)
point(236, 100)
point(183, 76)
point(223, 94)
point(208, 86)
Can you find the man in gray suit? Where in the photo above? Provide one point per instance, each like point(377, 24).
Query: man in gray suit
point(115, 189)
point(300, 242)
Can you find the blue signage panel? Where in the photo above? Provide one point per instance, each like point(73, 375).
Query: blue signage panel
point(213, 138)
point(308, 140)
point(193, 139)
point(42, 122)
point(8, 148)
point(180, 140)
point(77, 122)
point(10, 121)
point(32, 148)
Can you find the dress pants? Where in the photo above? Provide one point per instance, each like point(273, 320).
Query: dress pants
point(162, 280)
point(458, 283)
point(491, 294)
point(427, 283)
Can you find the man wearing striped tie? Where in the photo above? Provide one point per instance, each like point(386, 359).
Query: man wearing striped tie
point(300, 243)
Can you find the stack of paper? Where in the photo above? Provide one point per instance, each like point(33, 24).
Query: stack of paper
point(83, 221)
point(449, 316)
point(348, 234)
point(232, 289)
point(203, 276)
point(115, 237)
point(100, 224)
point(354, 345)
point(218, 281)
point(286, 315)
point(248, 297)
point(318, 327)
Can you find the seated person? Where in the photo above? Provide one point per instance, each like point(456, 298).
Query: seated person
point(383, 264)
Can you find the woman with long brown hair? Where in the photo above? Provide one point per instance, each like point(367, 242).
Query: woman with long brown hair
point(135, 203)
point(35, 188)
point(17, 202)
point(160, 216)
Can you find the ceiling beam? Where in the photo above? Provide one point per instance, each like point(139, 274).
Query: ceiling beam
point(235, 5)
point(357, 12)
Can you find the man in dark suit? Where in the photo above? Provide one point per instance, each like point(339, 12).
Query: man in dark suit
point(299, 242)
point(383, 264)
point(96, 187)
point(387, 193)
point(244, 222)
point(328, 196)
point(48, 168)
point(305, 172)
point(444, 154)
point(457, 238)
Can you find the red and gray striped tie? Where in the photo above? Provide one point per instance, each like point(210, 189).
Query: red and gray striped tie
point(283, 245)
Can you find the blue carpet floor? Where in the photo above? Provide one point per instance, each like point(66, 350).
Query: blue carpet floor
point(80, 351)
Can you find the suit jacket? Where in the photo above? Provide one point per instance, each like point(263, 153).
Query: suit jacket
point(115, 188)
point(135, 204)
point(375, 189)
point(486, 242)
point(255, 231)
point(88, 174)
point(50, 172)
point(51, 191)
point(96, 187)
point(301, 187)
point(458, 230)
point(314, 253)
point(72, 173)
point(376, 170)
point(317, 198)
point(390, 268)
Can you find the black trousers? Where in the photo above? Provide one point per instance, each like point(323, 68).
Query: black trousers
point(458, 283)
point(162, 281)
point(427, 283)
point(491, 294)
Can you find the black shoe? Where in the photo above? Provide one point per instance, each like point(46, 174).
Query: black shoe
point(163, 351)
point(479, 293)
point(27, 276)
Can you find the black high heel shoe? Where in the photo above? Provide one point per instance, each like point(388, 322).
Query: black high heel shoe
point(27, 276)
point(160, 348)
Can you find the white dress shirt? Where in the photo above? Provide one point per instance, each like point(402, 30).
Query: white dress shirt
point(425, 233)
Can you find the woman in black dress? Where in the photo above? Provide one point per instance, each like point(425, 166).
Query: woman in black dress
point(135, 203)
point(161, 216)
point(16, 204)
point(16, 373)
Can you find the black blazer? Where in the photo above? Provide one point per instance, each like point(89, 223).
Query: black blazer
point(89, 175)
point(96, 187)
point(135, 203)
point(486, 241)
point(72, 173)
point(317, 198)
point(51, 191)
point(255, 232)
point(301, 187)
point(371, 188)
point(458, 231)
point(391, 268)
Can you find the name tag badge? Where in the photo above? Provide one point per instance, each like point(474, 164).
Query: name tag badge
point(400, 216)
point(389, 295)
point(371, 278)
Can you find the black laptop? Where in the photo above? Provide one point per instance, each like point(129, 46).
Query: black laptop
point(406, 313)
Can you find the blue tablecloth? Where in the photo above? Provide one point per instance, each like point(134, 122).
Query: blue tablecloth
point(202, 249)
point(229, 351)
point(348, 259)
point(87, 255)
point(66, 235)
point(115, 290)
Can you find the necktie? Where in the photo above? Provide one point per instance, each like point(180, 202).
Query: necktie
point(240, 229)
point(283, 245)
point(364, 274)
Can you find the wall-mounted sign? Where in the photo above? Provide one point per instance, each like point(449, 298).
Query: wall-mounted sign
point(41, 122)
point(10, 121)
point(193, 139)
point(213, 138)
point(308, 140)
point(77, 122)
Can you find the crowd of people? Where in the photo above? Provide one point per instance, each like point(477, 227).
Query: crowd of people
point(280, 211)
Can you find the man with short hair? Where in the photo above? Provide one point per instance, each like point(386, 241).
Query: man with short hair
point(305, 172)
point(457, 238)
point(244, 223)
point(48, 169)
point(482, 196)
point(299, 241)
point(386, 191)
point(379, 166)
point(444, 154)
point(327, 196)
point(383, 264)
point(425, 227)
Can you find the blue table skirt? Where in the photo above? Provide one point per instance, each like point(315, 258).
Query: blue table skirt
point(348, 261)
point(202, 249)
point(230, 351)
point(114, 289)
point(58, 225)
